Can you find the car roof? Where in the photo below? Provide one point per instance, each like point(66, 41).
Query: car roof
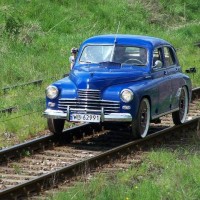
point(123, 39)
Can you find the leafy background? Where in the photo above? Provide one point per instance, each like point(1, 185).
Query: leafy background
point(36, 38)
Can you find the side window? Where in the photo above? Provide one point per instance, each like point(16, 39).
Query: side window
point(169, 57)
point(157, 55)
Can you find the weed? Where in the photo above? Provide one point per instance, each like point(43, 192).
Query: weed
point(13, 25)
point(17, 168)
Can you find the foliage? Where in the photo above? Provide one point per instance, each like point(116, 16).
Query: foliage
point(36, 38)
point(45, 31)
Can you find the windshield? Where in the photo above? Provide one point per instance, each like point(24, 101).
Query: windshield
point(130, 55)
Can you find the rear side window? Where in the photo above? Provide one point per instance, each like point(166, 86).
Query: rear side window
point(157, 55)
point(169, 57)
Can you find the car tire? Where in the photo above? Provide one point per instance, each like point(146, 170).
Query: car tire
point(140, 125)
point(56, 125)
point(179, 116)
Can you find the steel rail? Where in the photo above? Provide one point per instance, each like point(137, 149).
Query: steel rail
point(20, 150)
point(41, 143)
point(45, 181)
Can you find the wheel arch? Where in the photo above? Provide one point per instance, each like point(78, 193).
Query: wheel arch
point(149, 99)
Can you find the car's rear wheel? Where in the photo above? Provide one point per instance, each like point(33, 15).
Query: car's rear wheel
point(140, 125)
point(179, 116)
point(55, 125)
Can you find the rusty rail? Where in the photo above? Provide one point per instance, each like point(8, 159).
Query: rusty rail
point(45, 181)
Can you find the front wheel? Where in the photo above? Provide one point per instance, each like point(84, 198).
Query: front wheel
point(140, 125)
point(179, 116)
point(55, 125)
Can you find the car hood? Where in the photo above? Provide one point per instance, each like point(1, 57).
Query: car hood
point(100, 78)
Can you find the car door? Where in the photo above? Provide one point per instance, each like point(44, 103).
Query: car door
point(163, 82)
point(173, 70)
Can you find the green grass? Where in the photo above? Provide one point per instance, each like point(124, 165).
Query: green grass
point(37, 35)
point(36, 38)
point(165, 173)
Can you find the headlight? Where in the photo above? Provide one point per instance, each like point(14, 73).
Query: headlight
point(126, 95)
point(52, 92)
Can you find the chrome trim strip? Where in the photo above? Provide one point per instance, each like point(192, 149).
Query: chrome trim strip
point(86, 110)
point(88, 90)
point(91, 110)
point(55, 114)
point(87, 93)
point(64, 106)
point(102, 114)
point(58, 114)
point(165, 113)
point(66, 99)
point(118, 117)
point(68, 111)
point(88, 106)
point(86, 96)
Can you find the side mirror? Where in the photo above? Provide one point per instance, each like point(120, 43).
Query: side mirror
point(158, 64)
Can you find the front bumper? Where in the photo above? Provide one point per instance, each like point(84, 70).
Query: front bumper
point(112, 117)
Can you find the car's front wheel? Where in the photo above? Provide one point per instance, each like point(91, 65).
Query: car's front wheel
point(179, 116)
point(140, 125)
point(55, 125)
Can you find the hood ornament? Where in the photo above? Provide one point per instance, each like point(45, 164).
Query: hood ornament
point(87, 84)
point(91, 74)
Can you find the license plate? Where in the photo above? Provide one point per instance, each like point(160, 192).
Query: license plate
point(84, 118)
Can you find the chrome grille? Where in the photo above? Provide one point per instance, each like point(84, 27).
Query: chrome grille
point(89, 101)
point(89, 94)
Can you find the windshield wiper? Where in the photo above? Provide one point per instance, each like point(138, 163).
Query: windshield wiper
point(125, 64)
point(87, 62)
point(140, 65)
point(110, 63)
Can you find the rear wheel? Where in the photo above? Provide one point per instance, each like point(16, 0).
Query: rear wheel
point(140, 125)
point(55, 125)
point(179, 116)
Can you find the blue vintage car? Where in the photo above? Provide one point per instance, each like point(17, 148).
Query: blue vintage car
point(120, 78)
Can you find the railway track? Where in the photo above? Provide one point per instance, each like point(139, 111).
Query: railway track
point(40, 164)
